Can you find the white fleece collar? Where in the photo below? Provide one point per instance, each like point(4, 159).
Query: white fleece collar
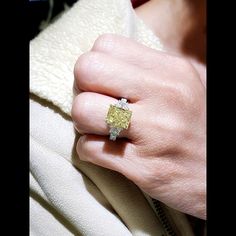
point(55, 50)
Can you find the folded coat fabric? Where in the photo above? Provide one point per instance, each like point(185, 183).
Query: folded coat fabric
point(68, 196)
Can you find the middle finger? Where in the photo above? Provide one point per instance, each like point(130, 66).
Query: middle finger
point(101, 73)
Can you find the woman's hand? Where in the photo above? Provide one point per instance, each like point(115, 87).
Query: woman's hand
point(163, 150)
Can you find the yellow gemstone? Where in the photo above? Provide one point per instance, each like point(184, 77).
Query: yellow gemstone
point(118, 117)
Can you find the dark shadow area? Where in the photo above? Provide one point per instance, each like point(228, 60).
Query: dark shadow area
point(198, 225)
point(42, 12)
point(194, 42)
point(137, 3)
point(74, 153)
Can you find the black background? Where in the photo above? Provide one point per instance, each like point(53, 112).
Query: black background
point(39, 10)
point(18, 26)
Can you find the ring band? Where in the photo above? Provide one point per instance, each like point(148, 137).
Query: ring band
point(118, 118)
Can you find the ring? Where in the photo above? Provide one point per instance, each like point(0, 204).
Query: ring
point(118, 118)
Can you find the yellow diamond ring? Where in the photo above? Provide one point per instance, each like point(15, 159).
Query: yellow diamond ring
point(118, 118)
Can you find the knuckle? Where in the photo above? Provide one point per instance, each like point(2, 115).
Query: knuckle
point(83, 63)
point(81, 148)
point(86, 150)
point(85, 67)
point(82, 143)
point(104, 42)
point(80, 110)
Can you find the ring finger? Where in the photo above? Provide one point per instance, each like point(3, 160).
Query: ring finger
point(89, 112)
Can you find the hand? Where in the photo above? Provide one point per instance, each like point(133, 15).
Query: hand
point(163, 150)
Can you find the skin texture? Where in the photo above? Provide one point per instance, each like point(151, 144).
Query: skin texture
point(163, 151)
point(181, 27)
